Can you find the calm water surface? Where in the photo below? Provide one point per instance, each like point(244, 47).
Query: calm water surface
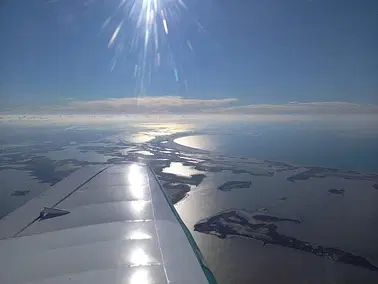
point(334, 149)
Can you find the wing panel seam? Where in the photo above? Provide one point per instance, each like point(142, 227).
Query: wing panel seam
point(61, 200)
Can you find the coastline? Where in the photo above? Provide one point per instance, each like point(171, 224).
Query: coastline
point(173, 144)
point(289, 191)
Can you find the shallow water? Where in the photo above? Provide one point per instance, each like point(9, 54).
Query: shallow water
point(292, 145)
point(214, 182)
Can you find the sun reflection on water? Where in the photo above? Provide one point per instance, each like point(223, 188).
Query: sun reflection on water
point(180, 170)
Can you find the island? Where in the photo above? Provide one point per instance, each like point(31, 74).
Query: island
point(322, 172)
point(262, 227)
point(176, 191)
point(20, 192)
point(337, 191)
point(227, 186)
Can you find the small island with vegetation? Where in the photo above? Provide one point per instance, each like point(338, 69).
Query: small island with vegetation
point(227, 186)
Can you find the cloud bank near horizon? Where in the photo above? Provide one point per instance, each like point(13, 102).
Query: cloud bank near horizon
point(181, 105)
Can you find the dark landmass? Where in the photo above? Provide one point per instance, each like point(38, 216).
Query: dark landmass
point(120, 160)
point(176, 191)
point(176, 186)
point(319, 172)
point(337, 191)
point(239, 223)
point(220, 168)
point(283, 198)
point(270, 219)
point(212, 169)
point(20, 192)
point(375, 186)
point(26, 151)
point(227, 186)
point(282, 166)
point(45, 169)
point(241, 171)
point(101, 149)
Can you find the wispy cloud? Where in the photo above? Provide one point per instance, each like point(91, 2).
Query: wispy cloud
point(181, 105)
point(173, 104)
point(302, 108)
point(163, 104)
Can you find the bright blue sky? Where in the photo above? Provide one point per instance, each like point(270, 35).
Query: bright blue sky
point(269, 51)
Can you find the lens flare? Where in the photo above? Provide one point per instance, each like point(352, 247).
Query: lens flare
point(152, 32)
point(150, 21)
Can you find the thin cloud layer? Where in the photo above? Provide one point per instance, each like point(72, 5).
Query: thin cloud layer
point(170, 104)
point(134, 105)
point(302, 108)
point(181, 105)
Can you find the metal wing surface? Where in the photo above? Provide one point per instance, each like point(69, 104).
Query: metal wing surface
point(102, 224)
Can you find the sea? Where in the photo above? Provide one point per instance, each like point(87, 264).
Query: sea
point(354, 150)
point(322, 174)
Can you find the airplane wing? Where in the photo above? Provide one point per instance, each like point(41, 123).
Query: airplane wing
point(102, 224)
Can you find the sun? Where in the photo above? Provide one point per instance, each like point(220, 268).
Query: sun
point(151, 22)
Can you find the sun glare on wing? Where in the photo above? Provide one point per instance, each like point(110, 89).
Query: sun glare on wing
point(136, 177)
point(139, 257)
point(138, 205)
point(139, 235)
point(140, 276)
